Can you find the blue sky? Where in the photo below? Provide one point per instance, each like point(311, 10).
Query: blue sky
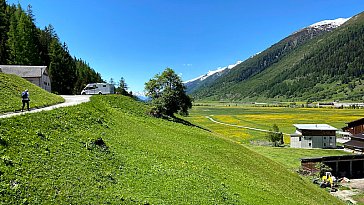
point(137, 39)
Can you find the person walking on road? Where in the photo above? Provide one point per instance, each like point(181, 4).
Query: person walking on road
point(25, 99)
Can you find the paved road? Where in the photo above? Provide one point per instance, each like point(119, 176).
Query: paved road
point(244, 127)
point(71, 100)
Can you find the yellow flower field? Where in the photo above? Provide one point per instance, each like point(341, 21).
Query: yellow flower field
point(265, 117)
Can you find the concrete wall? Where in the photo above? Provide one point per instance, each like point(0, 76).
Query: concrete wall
point(43, 82)
point(35, 81)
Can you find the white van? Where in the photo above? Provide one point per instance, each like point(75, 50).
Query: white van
point(98, 89)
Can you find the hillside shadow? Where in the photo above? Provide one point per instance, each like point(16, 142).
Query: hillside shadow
point(185, 122)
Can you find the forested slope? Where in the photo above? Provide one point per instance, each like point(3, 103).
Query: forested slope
point(22, 43)
point(327, 66)
point(108, 151)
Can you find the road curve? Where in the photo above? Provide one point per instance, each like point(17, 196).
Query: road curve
point(70, 100)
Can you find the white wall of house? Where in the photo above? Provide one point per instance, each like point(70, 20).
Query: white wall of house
point(295, 142)
point(46, 83)
point(43, 82)
point(313, 141)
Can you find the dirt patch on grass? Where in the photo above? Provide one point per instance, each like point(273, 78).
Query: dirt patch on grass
point(350, 189)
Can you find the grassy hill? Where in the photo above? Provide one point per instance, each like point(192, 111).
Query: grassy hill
point(108, 151)
point(12, 86)
point(329, 66)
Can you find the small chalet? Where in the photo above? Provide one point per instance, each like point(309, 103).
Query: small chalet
point(37, 75)
point(356, 128)
point(314, 136)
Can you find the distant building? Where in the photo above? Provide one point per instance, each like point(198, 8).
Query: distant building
point(37, 75)
point(314, 136)
point(356, 128)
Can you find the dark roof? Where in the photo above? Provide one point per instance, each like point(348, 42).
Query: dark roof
point(24, 71)
point(332, 158)
point(355, 144)
point(355, 123)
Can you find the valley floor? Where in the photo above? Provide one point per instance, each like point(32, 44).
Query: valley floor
point(248, 125)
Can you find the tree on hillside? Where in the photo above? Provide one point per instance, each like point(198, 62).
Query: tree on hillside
point(21, 42)
point(45, 39)
point(85, 75)
point(3, 32)
point(275, 136)
point(168, 94)
point(22, 39)
point(122, 87)
point(62, 68)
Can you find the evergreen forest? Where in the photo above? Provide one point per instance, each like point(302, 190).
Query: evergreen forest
point(22, 43)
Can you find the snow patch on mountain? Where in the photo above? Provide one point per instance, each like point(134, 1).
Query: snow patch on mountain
point(329, 23)
point(210, 73)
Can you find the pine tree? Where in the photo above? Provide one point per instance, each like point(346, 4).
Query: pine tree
point(62, 68)
point(3, 31)
point(85, 75)
point(13, 40)
point(22, 39)
point(45, 39)
point(122, 87)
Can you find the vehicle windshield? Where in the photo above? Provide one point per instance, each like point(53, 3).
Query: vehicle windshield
point(89, 88)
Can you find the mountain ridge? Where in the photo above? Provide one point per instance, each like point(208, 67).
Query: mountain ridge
point(325, 25)
point(241, 82)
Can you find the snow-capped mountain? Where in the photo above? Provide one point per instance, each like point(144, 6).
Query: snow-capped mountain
point(278, 50)
point(141, 96)
point(210, 76)
point(210, 73)
point(326, 24)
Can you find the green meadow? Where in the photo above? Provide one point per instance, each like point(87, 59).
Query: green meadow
point(12, 86)
point(264, 118)
point(109, 151)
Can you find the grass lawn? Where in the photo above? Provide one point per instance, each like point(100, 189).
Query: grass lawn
point(12, 86)
point(290, 157)
point(108, 151)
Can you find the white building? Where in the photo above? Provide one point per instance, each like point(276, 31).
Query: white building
point(37, 75)
point(314, 136)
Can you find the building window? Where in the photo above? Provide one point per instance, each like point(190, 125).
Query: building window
point(324, 144)
point(330, 138)
point(309, 144)
point(299, 139)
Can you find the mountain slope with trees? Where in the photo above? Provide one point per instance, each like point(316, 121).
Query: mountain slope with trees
point(323, 66)
point(22, 43)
